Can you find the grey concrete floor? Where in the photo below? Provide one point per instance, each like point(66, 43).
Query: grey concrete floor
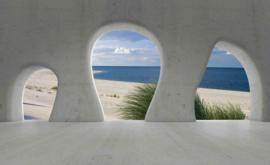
point(135, 142)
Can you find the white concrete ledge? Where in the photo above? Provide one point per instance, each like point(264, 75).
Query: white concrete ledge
point(135, 142)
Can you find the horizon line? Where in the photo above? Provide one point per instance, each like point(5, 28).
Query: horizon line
point(160, 66)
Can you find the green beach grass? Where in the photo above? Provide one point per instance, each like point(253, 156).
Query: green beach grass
point(137, 102)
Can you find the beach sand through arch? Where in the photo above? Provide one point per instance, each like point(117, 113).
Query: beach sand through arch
point(38, 105)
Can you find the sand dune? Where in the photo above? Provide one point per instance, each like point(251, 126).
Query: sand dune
point(39, 98)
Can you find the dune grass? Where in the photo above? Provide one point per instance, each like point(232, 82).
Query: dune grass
point(204, 111)
point(137, 102)
point(201, 108)
point(54, 88)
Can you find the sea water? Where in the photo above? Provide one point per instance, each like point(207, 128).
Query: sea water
point(214, 78)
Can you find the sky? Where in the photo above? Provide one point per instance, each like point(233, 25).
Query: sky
point(127, 48)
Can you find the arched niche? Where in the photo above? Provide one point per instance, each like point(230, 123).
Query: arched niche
point(16, 92)
point(39, 95)
point(123, 26)
point(252, 72)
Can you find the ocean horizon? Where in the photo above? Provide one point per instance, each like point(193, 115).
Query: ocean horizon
point(214, 77)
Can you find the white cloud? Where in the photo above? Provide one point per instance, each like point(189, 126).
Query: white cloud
point(123, 50)
point(146, 51)
point(130, 59)
point(228, 53)
point(144, 58)
point(113, 49)
point(153, 61)
point(218, 51)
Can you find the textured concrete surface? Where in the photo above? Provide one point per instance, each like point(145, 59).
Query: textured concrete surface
point(60, 34)
point(135, 142)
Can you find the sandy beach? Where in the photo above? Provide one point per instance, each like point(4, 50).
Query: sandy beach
point(39, 98)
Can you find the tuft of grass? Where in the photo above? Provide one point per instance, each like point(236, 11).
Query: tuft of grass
point(201, 108)
point(54, 88)
point(38, 88)
point(225, 112)
point(29, 87)
point(137, 102)
point(114, 95)
point(216, 111)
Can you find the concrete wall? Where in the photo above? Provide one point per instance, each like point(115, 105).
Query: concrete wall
point(60, 34)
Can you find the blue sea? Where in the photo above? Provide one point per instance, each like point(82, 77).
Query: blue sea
point(214, 78)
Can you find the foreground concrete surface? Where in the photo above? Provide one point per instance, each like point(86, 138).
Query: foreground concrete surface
point(135, 142)
point(60, 35)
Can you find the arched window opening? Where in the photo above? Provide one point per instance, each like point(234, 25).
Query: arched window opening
point(39, 95)
point(121, 61)
point(224, 90)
